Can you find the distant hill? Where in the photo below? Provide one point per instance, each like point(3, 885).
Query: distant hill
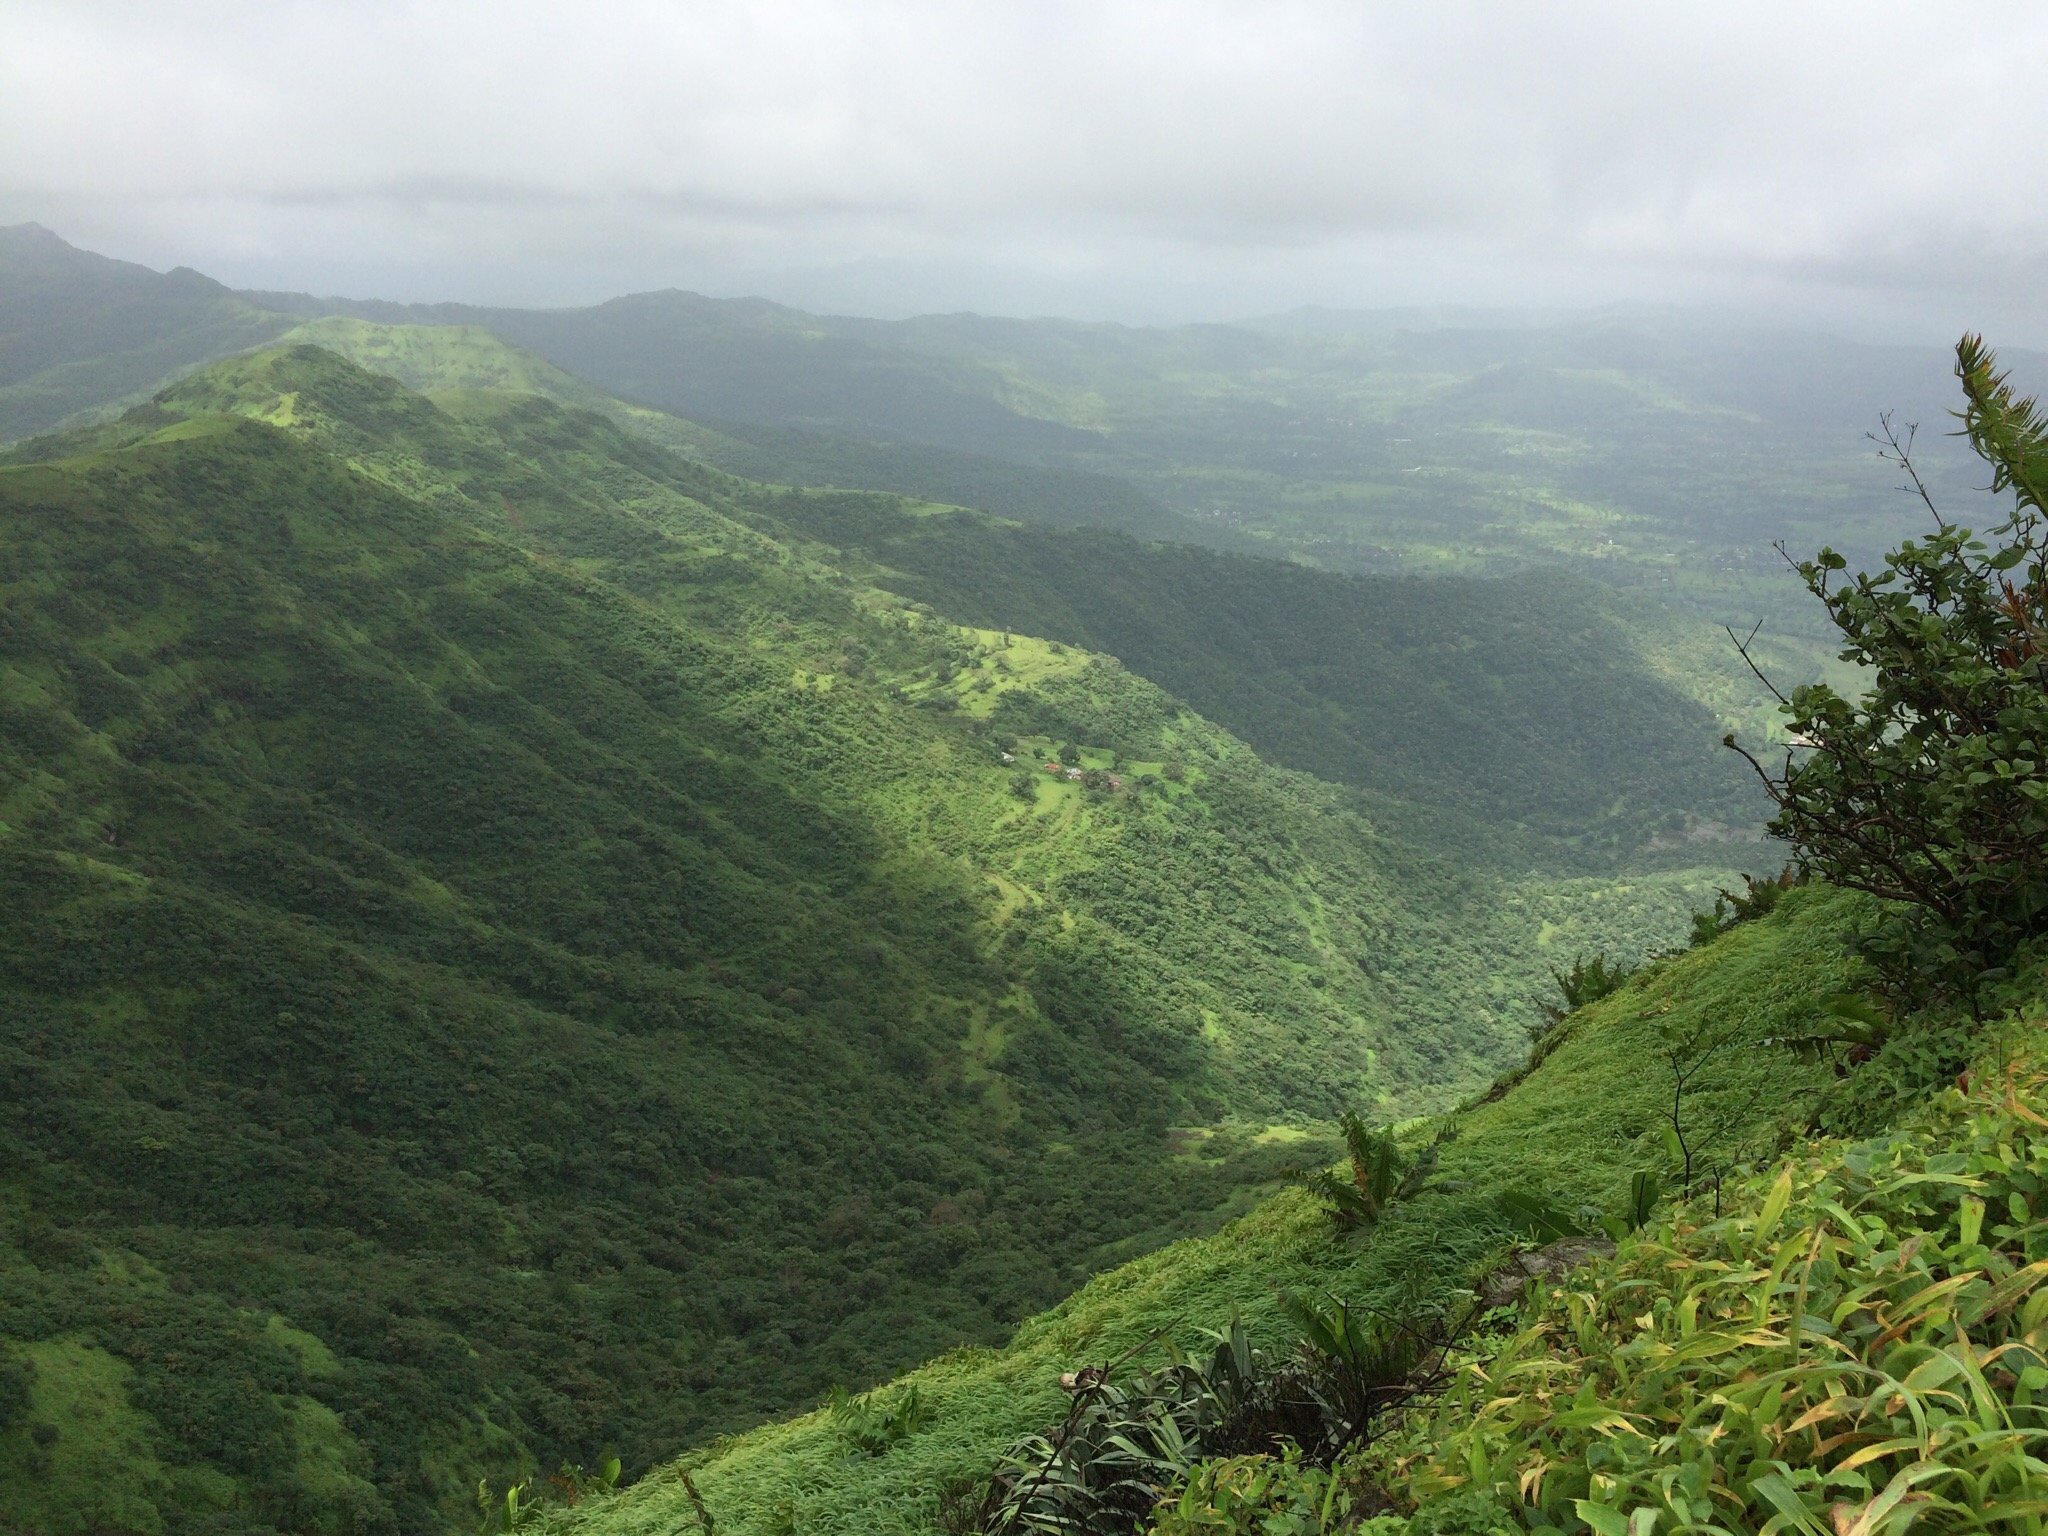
point(1662, 453)
point(754, 361)
point(441, 357)
point(78, 331)
point(1521, 706)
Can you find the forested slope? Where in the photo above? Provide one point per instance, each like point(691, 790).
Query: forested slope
point(505, 959)
point(1519, 701)
point(1572, 1130)
point(1521, 712)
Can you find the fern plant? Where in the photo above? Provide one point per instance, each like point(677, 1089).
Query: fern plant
point(1373, 1180)
point(1586, 982)
point(874, 1424)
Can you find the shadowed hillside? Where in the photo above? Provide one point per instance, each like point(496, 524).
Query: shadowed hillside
point(506, 958)
point(78, 331)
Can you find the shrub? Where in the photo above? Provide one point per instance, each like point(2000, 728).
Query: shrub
point(1233, 1434)
point(1273, 1495)
point(873, 1424)
point(1356, 1199)
point(1932, 789)
point(1755, 899)
point(17, 1375)
point(1862, 1344)
point(1586, 982)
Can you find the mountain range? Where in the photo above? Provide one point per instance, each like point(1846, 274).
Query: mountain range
point(574, 880)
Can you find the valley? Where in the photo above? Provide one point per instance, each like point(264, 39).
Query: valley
point(566, 895)
point(578, 881)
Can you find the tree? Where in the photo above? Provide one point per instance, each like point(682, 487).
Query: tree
point(1687, 1050)
point(1931, 790)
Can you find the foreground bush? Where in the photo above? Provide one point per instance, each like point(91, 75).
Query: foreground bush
point(1932, 789)
point(1862, 1349)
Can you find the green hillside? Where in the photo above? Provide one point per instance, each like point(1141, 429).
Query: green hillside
point(520, 947)
point(443, 357)
point(1660, 453)
point(1521, 701)
point(1657, 457)
point(1536, 711)
point(1572, 1130)
point(1752, 1242)
point(507, 960)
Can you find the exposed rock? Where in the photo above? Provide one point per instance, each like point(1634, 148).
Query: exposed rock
point(1507, 1283)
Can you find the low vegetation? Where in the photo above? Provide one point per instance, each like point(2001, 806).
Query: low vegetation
point(1838, 1324)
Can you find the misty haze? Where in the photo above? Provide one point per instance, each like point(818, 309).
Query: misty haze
point(1013, 770)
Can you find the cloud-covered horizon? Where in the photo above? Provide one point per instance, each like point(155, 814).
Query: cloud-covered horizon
point(1129, 160)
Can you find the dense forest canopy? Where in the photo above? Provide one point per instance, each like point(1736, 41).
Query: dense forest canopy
point(516, 949)
point(525, 944)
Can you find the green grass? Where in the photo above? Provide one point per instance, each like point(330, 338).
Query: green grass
point(78, 1454)
point(1855, 1344)
point(1573, 1129)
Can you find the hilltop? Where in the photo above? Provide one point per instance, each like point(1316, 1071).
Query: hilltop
point(78, 330)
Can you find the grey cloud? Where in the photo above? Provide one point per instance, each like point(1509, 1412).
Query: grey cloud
point(1198, 157)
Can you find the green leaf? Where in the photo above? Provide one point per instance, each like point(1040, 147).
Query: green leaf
point(1778, 1492)
point(1774, 1204)
point(1606, 1521)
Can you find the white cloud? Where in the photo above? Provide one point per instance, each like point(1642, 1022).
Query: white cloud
point(1207, 155)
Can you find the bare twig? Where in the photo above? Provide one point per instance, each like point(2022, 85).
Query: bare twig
point(1742, 650)
point(1893, 451)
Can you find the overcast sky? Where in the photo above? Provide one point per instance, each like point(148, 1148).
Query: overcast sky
point(1139, 161)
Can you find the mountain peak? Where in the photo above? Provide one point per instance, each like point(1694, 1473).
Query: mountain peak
point(37, 240)
point(32, 232)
